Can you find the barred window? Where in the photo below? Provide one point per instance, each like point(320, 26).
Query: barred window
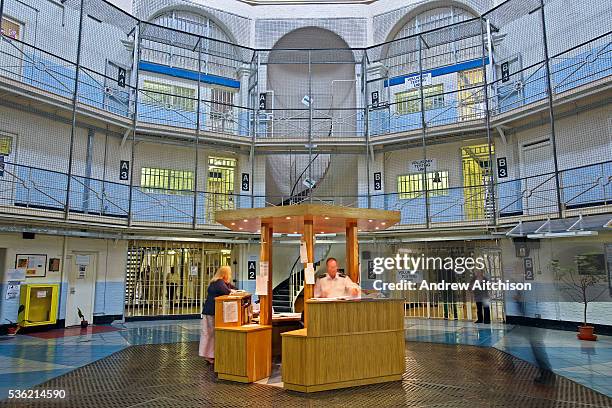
point(170, 95)
point(6, 145)
point(10, 28)
point(411, 185)
point(409, 101)
point(166, 181)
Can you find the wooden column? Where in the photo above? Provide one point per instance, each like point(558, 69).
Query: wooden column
point(265, 254)
point(352, 251)
point(308, 238)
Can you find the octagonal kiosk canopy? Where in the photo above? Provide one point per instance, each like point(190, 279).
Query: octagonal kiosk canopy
point(307, 220)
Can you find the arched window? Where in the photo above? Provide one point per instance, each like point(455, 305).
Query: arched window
point(218, 58)
point(449, 52)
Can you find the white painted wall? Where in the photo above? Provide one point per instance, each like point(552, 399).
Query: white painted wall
point(110, 279)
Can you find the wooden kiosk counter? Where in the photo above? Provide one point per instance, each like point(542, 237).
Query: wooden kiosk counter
point(344, 343)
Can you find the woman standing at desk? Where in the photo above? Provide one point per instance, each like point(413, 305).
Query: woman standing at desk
point(219, 285)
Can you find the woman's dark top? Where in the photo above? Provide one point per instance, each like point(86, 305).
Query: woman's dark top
point(217, 288)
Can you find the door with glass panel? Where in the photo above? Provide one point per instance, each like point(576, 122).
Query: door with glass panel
point(219, 185)
point(8, 171)
point(471, 94)
point(476, 166)
point(11, 52)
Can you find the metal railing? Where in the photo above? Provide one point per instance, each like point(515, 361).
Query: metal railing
point(33, 191)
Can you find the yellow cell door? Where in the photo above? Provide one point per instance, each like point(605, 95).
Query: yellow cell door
point(478, 204)
point(220, 186)
point(471, 94)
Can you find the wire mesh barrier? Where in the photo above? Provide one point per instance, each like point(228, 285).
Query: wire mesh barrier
point(154, 122)
point(27, 189)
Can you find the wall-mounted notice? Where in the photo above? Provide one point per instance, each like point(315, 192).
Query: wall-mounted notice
point(230, 312)
point(261, 286)
point(309, 274)
point(18, 274)
point(303, 252)
point(12, 290)
point(263, 269)
point(424, 164)
point(35, 265)
point(81, 259)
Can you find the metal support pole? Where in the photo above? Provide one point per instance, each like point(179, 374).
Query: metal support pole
point(255, 109)
point(1, 10)
point(366, 112)
point(551, 112)
point(310, 123)
point(134, 117)
point(488, 121)
point(197, 137)
point(74, 102)
point(423, 131)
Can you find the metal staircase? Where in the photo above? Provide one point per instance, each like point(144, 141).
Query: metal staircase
point(318, 166)
point(286, 292)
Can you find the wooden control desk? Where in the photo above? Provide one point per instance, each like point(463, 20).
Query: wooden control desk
point(243, 353)
point(346, 344)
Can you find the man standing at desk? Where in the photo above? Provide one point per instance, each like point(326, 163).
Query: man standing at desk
point(335, 285)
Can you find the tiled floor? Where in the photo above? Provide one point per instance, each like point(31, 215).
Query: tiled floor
point(27, 360)
point(586, 362)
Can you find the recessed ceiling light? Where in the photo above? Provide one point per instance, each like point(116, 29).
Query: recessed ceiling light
point(376, 228)
point(322, 232)
point(245, 220)
point(295, 232)
point(239, 228)
point(233, 223)
point(327, 218)
point(383, 223)
point(287, 218)
point(369, 220)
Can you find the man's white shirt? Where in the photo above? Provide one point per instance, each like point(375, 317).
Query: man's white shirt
point(336, 287)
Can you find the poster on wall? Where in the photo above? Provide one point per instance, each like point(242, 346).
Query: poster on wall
point(12, 290)
point(35, 265)
point(54, 264)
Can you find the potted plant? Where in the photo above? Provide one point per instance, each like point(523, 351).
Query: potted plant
point(580, 281)
point(13, 327)
point(84, 322)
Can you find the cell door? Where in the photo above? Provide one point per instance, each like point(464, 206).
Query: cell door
point(11, 52)
point(471, 94)
point(220, 186)
point(478, 202)
point(537, 172)
point(81, 287)
point(8, 171)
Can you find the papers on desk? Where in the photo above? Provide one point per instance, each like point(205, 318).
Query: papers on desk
point(335, 299)
point(230, 312)
point(292, 315)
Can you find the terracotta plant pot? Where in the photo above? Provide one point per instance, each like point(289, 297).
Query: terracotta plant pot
point(84, 324)
point(586, 333)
